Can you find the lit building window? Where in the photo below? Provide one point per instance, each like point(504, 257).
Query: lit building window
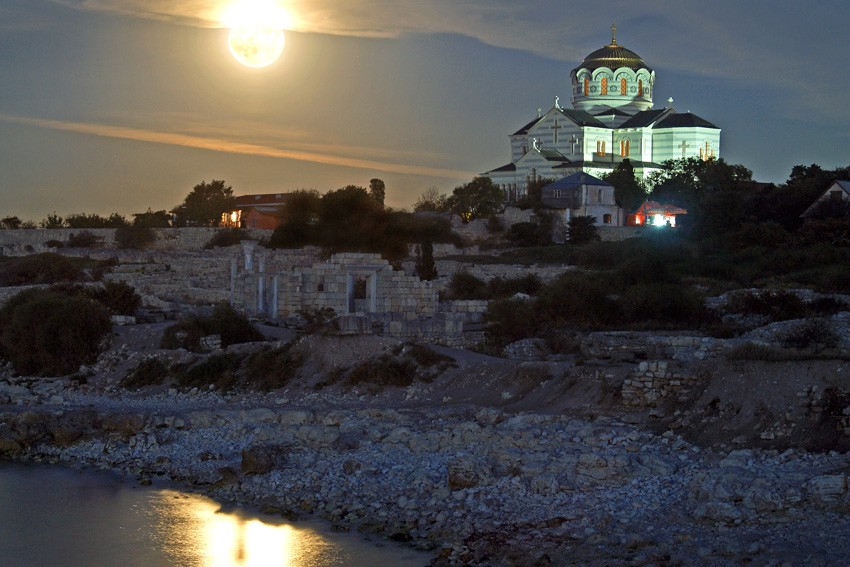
point(586, 86)
point(605, 85)
point(622, 86)
point(624, 148)
point(557, 193)
point(640, 87)
point(606, 219)
point(600, 147)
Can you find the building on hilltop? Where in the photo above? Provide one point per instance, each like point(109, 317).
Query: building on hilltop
point(612, 120)
point(257, 211)
point(838, 191)
point(653, 213)
point(581, 194)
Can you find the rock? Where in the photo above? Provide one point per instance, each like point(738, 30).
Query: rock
point(656, 464)
point(827, 490)
point(351, 466)
point(260, 459)
point(463, 472)
point(720, 512)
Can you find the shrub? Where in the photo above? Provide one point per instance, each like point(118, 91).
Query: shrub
point(814, 335)
point(49, 334)
point(136, 236)
point(466, 286)
point(494, 225)
point(118, 296)
point(269, 369)
point(84, 239)
point(43, 268)
point(663, 305)
point(426, 269)
point(778, 305)
point(233, 327)
point(219, 370)
point(499, 287)
point(228, 237)
point(150, 372)
point(510, 320)
point(523, 234)
point(581, 229)
point(54, 244)
point(385, 371)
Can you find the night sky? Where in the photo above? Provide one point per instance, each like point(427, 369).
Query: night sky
point(125, 105)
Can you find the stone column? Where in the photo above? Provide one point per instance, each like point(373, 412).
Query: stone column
point(248, 247)
point(274, 302)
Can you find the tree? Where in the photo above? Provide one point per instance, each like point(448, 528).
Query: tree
point(479, 198)
point(582, 229)
point(53, 221)
point(299, 226)
point(430, 200)
point(628, 191)
point(426, 269)
point(10, 223)
point(206, 203)
point(533, 198)
point(152, 219)
point(84, 220)
point(377, 190)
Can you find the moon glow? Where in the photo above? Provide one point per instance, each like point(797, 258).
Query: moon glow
point(256, 45)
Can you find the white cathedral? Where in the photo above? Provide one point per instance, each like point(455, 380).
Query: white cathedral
point(612, 120)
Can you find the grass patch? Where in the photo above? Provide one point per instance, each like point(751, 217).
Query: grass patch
point(150, 372)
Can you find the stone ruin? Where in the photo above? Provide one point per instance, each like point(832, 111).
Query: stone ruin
point(362, 290)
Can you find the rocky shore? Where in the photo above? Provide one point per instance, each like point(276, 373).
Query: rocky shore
point(470, 485)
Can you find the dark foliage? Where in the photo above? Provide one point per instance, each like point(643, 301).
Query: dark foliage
point(426, 269)
point(10, 223)
point(206, 203)
point(219, 370)
point(581, 229)
point(232, 326)
point(153, 219)
point(466, 286)
point(53, 243)
point(83, 220)
point(270, 369)
point(134, 236)
point(43, 268)
point(628, 192)
point(46, 333)
point(149, 372)
point(83, 239)
point(477, 199)
point(227, 237)
point(815, 335)
point(53, 221)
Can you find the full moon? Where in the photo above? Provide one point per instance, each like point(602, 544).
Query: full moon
point(256, 45)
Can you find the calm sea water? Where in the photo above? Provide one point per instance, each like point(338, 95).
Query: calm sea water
point(52, 517)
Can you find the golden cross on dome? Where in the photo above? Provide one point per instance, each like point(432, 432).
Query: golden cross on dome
point(614, 34)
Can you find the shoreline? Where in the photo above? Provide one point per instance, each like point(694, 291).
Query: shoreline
point(470, 485)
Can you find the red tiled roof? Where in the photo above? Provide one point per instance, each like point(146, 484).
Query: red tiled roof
point(656, 208)
point(243, 201)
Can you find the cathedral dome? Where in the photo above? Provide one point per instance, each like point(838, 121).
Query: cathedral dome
point(613, 57)
point(612, 78)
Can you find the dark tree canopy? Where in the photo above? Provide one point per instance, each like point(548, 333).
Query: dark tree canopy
point(431, 200)
point(533, 198)
point(152, 219)
point(301, 214)
point(477, 199)
point(628, 191)
point(10, 222)
point(581, 229)
point(377, 190)
point(206, 203)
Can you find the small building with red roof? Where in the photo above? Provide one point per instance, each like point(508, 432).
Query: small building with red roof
point(257, 211)
point(653, 213)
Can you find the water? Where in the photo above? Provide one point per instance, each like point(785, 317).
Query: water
point(51, 516)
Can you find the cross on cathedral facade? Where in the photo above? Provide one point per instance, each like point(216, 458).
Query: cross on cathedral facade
point(612, 107)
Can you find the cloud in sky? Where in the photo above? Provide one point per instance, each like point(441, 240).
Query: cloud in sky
point(732, 40)
point(233, 147)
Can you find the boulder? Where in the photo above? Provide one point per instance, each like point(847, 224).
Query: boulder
point(261, 459)
point(465, 472)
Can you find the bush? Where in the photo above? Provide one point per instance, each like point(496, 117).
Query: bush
point(43, 268)
point(270, 369)
point(778, 305)
point(45, 333)
point(523, 234)
point(581, 229)
point(228, 237)
point(814, 335)
point(219, 370)
point(150, 372)
point(84, 239)
point(466, 286)
point(233, 327)
point(54, 244)
point(663, 306)
point(119, 297)
point(499, 287)
point(494, 225)
point(510, 320)
point(135, 236)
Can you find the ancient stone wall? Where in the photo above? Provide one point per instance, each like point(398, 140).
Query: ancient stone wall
point(652, 382)
point(619, 233)
point(28, 241)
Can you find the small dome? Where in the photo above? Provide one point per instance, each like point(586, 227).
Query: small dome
point(614, 57)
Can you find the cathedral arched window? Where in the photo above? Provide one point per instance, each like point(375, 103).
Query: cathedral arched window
point(586, 86)
point(600, 147)
point(605, 85)
point(640, 87)
point(623, 86)
point(624, 148)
